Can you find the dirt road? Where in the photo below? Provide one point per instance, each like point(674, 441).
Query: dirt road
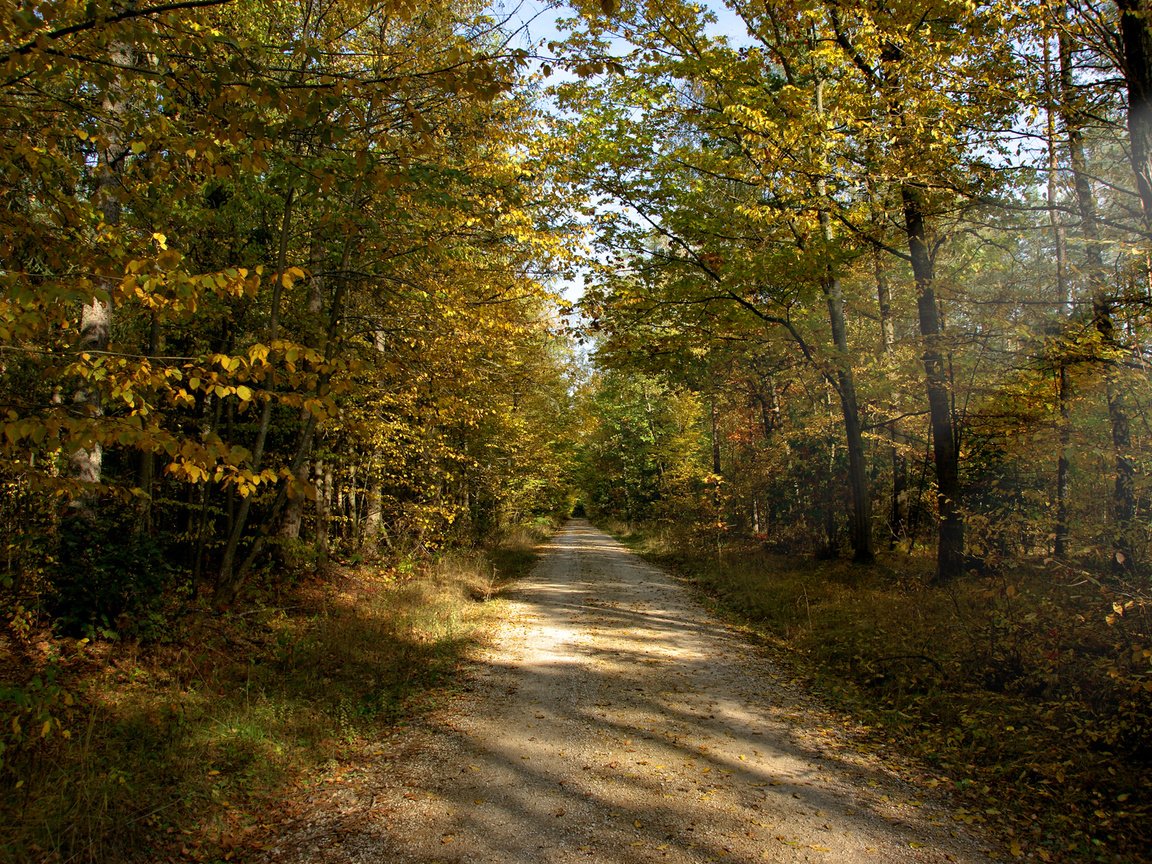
point(615, 721)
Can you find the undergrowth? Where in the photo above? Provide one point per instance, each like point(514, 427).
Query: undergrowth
point(1025, 693)
point(178, 750)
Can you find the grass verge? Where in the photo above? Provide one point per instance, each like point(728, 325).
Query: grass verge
point(1026, 693)
point(179, 751)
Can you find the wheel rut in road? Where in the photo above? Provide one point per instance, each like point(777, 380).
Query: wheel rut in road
point(614, 720)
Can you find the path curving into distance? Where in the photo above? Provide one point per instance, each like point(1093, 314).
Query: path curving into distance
point(615, 721)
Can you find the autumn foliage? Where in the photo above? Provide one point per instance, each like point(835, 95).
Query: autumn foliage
point(275, 290)
point(274, 282)
point(888, 263)
point(866, 279)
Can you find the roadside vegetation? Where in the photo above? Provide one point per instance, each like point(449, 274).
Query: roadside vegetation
point(879, 291)
point(187, 748)
point(1019, 693)
point(281, 363)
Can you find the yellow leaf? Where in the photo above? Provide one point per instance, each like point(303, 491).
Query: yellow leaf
point(290, 275)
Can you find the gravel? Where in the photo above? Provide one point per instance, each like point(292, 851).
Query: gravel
point(614, 720)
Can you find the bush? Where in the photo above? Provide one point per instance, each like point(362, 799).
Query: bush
point(109, 577)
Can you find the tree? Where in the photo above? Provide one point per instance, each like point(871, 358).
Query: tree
point(721, 146)
point(275, 198)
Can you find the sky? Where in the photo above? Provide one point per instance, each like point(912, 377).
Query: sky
point(539, 17)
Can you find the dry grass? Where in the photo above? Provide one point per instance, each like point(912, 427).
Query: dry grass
point(179, 750)
point(1014, 689)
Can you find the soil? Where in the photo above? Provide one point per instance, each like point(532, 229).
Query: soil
point(614, 720)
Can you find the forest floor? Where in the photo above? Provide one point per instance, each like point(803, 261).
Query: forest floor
point(612, 719)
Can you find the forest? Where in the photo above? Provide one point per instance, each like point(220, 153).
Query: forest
point(292, 377)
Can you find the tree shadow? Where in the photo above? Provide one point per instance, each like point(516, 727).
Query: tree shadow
point(657, 738)
point(190, 745)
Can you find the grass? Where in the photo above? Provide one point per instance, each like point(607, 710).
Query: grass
point(179, 751)
point(1025, 693)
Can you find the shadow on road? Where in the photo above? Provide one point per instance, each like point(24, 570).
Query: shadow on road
point(626, 725)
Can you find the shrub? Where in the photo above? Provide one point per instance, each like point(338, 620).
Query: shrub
point(109, 577)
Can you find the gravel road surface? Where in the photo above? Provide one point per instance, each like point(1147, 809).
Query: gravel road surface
point(614, 720)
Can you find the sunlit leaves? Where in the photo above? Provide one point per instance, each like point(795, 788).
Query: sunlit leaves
point(315, 225)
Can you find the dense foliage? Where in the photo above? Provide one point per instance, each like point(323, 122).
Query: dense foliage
point(898, 253)
point(874, 281)
point(275, 278)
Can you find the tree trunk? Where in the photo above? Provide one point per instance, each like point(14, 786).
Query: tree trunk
point(715, 437)
point(897, 513)
point(1136, 40)
point(293, 519)
point(146, 459)
point(1123, 492)
point(374, 516)
point(1136, 44)
point(1064, 304)
point(831, 506)
point(96, 314)
point(87, 462)
point(350, 504)
point(862, 549)
point(322, 472)
point(1060, 538)
point(945, 439)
